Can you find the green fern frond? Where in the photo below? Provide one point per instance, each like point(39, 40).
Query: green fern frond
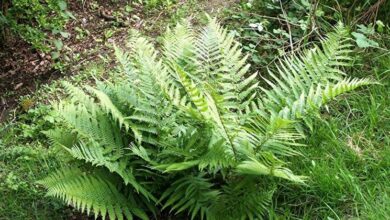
point(276, 135)
point(123, 60)
point(256, 167)
point(242, 199)
point(225, 66)
point(109, 107)
point(217, 157)
point(299, 72)
point(179, 47)
point(196, 96)
point(318, 96)
point(90, 193)
point(61, 137)
point(79, 96)
point(95, 127)
point(177, 166)
point(146, 69)
point(138, 114)
point(96, 156)
point(193, 194)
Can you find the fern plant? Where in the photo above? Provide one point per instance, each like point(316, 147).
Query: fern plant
point(191, 131)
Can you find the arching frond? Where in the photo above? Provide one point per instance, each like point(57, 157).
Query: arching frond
point(217, 157)
point(77, 95)
point(96, 127)
point(91, 193)
point(179, 47)
point(224, 66)
point(96, 156)
point(298, 73)
point(61, 138)
point(318, 96)
point(110, 108)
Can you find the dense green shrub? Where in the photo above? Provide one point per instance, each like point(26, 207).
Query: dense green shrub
point(191, 131)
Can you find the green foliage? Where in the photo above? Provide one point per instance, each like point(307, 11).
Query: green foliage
point(349, 162)
point(29, 125)
point(192, 127)
point(21, 164)
point(33, 20)
point(157, 3)
point(363, 34)
point(268, 28)
point(91, 193)
point(25, 156)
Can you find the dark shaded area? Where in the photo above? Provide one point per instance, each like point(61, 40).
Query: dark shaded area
point(22, 69)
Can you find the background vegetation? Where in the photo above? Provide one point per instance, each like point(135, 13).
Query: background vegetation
point(346, 155)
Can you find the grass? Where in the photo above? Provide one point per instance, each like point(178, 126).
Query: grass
point(23, 160)
point(20, 167)
point(347, 159)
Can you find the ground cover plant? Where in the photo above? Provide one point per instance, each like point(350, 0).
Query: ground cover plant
point(270, 28)
point(32, 21)
point(193, 132)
